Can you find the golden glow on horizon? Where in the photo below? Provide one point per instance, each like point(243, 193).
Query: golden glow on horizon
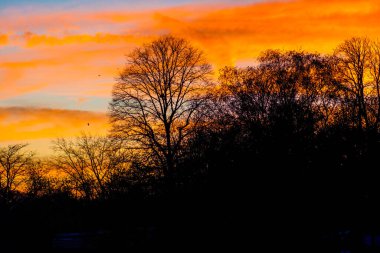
point(31, 123)
point(80, 53)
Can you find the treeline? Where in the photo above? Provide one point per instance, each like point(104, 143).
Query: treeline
point(294, 133)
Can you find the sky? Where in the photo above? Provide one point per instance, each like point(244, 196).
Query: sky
point(59, 59)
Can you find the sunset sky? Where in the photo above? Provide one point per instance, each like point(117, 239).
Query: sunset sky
point(59, 59)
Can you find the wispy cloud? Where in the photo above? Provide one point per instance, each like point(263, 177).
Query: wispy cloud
point(77, 49)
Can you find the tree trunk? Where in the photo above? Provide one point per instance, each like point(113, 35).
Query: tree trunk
point(169, 177)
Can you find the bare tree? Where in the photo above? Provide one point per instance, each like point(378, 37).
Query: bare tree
point(38, 181)
point(355, 55)
point(375, 75)
point(156, 98)
point(89, 162)
point(14, 162)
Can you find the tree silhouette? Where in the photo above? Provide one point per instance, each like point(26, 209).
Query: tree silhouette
point(155, 101)
point(89, 162)
point(355, 55)
point(375, 75)
point(14, 162)
point(289, 91)
point(38, 182)
point(295, 135)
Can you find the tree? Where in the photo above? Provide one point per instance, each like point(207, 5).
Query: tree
point(375, 75)
point(14, 162)
point(89, 162)
point(296, 88)
point(156, 99)
point(37, 182)
point(355, 56)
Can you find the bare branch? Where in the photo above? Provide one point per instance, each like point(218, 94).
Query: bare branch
point(157, 95)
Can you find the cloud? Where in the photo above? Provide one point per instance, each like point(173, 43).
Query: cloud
point(75, 52)
point(101, 38)
point(20, 123)
point(220, 30)
point(3, 39)
point(63, 70)
point(238, 33)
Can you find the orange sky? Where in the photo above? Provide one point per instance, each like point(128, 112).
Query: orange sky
point(58, 62)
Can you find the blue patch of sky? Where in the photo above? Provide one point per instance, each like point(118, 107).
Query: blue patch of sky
point(47, 100)
point(111, 4)
point(8, 50)
point(93, 4)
